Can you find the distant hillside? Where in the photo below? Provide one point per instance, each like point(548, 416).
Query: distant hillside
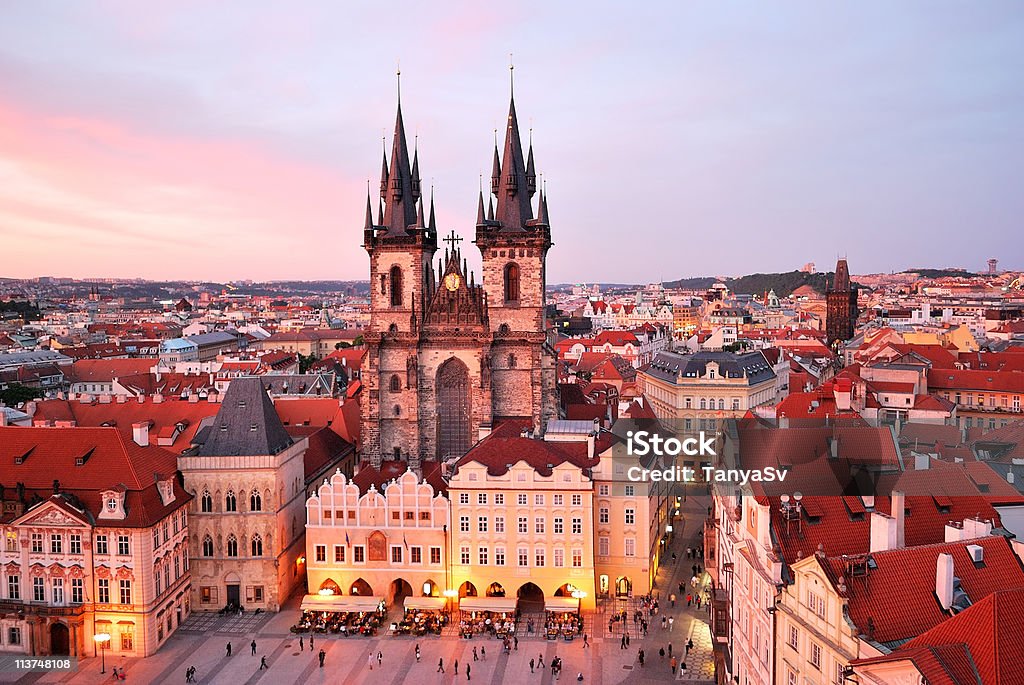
point(757, 284)
point(941, 273)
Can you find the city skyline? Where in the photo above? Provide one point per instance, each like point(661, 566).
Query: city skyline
point(134, 143)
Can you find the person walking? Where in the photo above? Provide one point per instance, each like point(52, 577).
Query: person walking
point(417, 653)
point(531, 665)
point(311, 643)
point(483, 653)
point(263, 663)
point(540, 661)
point(475, 657)
point(369, 660)
point(670, 649)
point(661, 653)
point(380, 658)
point(689, 600)
point(515, 641)
point(673, 662)
point(672, 599)
point(302, 643)
point(456, 667)
point(622, 642)
point(468, 666)
point(440, 665)
point(640, 657)
point(671, 622)
point(627, 640)
point(253, 645)
point(585, 643)
point(689, 646)
point(322, 655)
point(229, 649)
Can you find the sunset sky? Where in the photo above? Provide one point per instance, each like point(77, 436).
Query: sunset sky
point(234, 140)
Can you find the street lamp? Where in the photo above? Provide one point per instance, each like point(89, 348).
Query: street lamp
point(102, 639)
point(450, 595)
point(578, 595)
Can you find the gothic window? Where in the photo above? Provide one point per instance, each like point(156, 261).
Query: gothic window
point(232, 546)
point(511, 282)
point(396, 384)
point(452, 408)
point(398, 410)
point(396, 287)
point(255, 501)
point(383, 284)
point(207, 546)
point(207, 502)
point(511, 361)
point(230, 502)
point(256, 546)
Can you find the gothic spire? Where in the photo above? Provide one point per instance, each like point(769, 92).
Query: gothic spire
point(490, 210)
point(542, 209)
point(400, 210)
point(496, 167)
point(419, 215)
point(480, 218)
point(513, 194)
point(369, 210)
point(416, 169)
point(432, 224)
point(531, 173)
point(384, 173)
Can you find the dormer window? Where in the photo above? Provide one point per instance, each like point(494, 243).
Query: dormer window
point(111, 504)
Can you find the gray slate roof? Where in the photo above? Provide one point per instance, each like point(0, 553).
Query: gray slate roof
point(680, 368)
point(246, 423)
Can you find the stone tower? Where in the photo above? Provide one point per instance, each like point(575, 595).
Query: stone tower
point(446, 356)
point(841, 306)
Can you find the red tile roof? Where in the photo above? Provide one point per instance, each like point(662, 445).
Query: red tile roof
point(391, 469)
point(106, 370)
point(989, 381)
point(506, 445)
point(110, 460)
point(898, 595)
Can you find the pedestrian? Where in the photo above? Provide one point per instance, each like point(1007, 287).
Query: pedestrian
point(229, 649)
point(188, 674)
point(456, 667)
point(682, 667)
point(302, 643)
point(321, 656)
point(640, 656)
point(627, 640)
point(370, 660)
point(682, 587)
point(253, 645)
point(475, 657)
point(672, 599)
point(380, 658)
point(689, 646)
point(440, 665)
point(311, 643)
point(483, 653)
point(540, 661)
point(515, 641)
point(417, 653)
point(689, 599)
point(622, 642)
point(664, 623)
point(263, 662)
point(585, 643)
point(673, 557)
point(673, 662)
point(661, 653)
point(579, 677)
point(671, 622)
point(531, 665)
point(670, 649)
point(467, 671)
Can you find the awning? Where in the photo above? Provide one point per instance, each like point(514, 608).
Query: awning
point(427, 603)
point(564, 605)
point(340, 603)
point(507, 604)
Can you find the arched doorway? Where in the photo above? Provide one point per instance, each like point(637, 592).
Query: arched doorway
point(399, 590)
point(566, 590)
point(623, 587)
point(60, 642)
point(361, 588)
point(452, 409)
point(495, 590)
point(430, 589)
point(467, 589)
point(329, 587)
point(531, 598)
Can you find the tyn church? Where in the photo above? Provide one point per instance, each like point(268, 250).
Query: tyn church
point(447, 357)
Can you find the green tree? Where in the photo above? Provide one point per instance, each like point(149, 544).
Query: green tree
point(306, 361)
point(16, 393)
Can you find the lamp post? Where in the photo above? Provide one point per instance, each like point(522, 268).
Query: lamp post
point(578, 595)
point(102, 639)
point(450, 595)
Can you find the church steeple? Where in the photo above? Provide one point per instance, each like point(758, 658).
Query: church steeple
point(402, 187)
point(531, 173)
point(513, 194)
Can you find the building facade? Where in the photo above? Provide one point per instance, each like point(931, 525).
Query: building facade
point(841, 306)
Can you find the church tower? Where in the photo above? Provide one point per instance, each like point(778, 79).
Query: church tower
point(841, 306)
point(447, 357)
point(514, 242)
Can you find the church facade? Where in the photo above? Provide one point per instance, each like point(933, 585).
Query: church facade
point(448, 356)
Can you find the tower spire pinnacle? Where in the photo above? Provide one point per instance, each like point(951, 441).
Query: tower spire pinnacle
point(369, 210)
point(402, 187)
point(432, 225)
point(513, 188)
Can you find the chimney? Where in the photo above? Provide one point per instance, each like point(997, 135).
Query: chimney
point(954, 531)
point(193, 398)
point(1009, 477)
point(883, 532)
point(899, 512)
point(783, 421)
point(140, 433)
point(590, 446)
point(121, 399)
point(3, 417)
point(157, 398)
point(922, 462)
point(977, 553)
point(842, 394)
point(944, 580)
point(833, 447)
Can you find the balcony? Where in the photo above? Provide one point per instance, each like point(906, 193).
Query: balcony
point(27, 609)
